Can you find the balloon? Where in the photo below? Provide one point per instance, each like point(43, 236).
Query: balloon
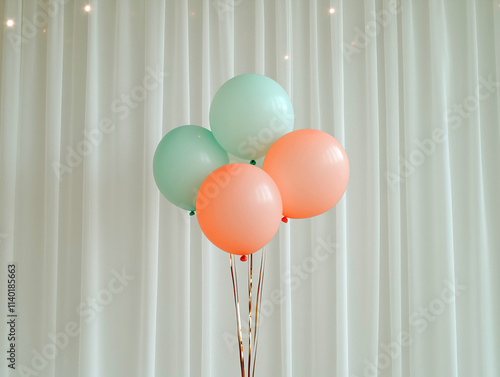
point(183, 159)
point(249, 113)
point(311, 170)
point(239, 208)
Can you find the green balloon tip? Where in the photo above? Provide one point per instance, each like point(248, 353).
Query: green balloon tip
point(253, 162)
point(191, 213)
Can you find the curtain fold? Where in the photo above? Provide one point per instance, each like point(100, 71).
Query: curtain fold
point(399, 279)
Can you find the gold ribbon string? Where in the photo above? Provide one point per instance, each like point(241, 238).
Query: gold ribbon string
point(258, 305)
point(250, 266)
point(237, 307)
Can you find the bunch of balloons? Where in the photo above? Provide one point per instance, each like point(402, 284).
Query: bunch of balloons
point(239, 206)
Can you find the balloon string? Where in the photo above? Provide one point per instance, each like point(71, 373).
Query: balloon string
point(250, 266)
point(258, 305)
point(237, 307)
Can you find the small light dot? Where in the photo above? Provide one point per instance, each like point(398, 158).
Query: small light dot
point(192, 13)
point(332, 10)
point(87, 8)
point(286, 57)
point(10, 23)
point(352, 43)
point(367, 28)
point(44, 30)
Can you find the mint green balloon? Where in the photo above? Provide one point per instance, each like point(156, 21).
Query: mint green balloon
point(183, 159)
point(249, 113)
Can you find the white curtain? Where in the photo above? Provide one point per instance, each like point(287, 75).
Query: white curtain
point(400, 279)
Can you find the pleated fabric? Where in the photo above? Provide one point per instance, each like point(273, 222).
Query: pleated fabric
point(399, 280)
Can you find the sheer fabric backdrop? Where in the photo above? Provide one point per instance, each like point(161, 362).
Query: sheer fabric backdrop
point(400, 278)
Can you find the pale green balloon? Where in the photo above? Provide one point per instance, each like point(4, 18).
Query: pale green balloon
point(183, 159)
point(249, 113)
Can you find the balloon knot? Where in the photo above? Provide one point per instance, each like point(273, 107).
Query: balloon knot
point(191, 213)
point(243, 258)
point(284, 219)
point(253, 162)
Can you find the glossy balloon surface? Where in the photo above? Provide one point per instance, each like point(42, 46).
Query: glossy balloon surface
point(239, 208)
point(183, 159)
point(249, 113)
point(311, 170)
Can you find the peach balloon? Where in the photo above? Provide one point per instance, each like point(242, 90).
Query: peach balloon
point(311, 170)
point(239, 208)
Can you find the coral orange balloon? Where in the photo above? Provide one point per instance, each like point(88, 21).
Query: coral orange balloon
point(311, 170)
point(239, 208)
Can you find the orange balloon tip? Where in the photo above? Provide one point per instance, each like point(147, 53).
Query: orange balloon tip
point(284, 219)
point(243, 258)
